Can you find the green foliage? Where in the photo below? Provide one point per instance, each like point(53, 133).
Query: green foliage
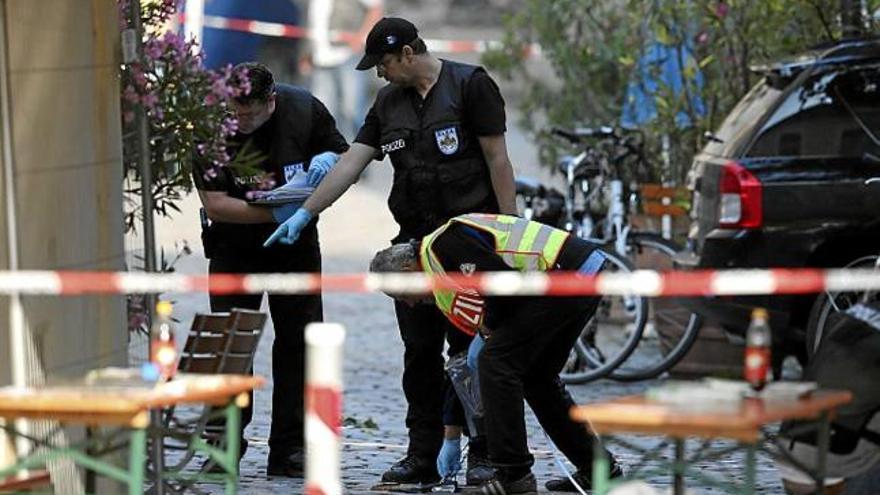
point(185, 109)
point(592, 48)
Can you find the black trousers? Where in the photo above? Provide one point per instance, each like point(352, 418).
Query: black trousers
point(521, 360)
point(290, 314)
point(424, 330)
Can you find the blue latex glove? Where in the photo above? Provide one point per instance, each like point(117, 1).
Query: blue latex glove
point(319, 166)
point(449, 458)
point(474, 353)
point(288, 232)
point(285, 211)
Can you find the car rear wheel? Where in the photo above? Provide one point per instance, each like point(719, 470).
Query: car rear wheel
point(828, 303)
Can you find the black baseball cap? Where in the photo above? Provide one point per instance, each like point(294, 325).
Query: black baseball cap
point(388, 35)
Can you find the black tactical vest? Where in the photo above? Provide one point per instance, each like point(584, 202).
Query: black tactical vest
point(439, 168)
point(284, 142)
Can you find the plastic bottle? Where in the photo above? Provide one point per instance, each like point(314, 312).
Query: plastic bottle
point(163, 352)
point(757, 356)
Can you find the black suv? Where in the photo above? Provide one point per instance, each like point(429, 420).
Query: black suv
point(782, 183)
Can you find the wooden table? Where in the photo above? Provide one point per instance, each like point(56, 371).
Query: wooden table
point(742, 421)
point(127, 407)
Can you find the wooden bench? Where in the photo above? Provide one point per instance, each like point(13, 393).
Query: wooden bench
point(35, 479)
point(658, 200)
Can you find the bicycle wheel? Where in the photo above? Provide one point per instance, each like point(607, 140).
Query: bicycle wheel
point(602, 345)
point(671, 329)
point(831, 302)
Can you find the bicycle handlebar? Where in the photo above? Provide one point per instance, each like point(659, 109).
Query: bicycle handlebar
point(580, 133)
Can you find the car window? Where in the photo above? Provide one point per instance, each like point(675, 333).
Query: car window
point(739, 123)
point(833, 114)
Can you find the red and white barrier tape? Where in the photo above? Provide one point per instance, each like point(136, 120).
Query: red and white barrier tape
point(323, 408)
point(641, 282)
point(277, 29)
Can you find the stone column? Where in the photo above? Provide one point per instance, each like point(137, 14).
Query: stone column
point(62, 156)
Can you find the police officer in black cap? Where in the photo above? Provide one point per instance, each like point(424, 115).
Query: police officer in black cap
point(442, 123)
point(291, 134)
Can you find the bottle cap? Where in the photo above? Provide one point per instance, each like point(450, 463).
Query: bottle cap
point(759, 313)
point(164, 308)
point(149, 372)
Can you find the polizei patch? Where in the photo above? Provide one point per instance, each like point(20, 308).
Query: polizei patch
point(397, 144)
point(447, 140)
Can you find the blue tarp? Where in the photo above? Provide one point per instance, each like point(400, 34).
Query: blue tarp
point(658, 68)
point(223, 46)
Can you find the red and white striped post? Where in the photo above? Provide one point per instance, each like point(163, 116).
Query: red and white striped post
point(323, 408)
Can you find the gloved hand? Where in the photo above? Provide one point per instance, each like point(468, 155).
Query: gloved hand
point(288, 232)
point(319, 166)
point(449, 458)
point(474, 353)
point(283, 212)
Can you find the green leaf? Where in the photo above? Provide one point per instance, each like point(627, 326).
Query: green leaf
point(705, 61)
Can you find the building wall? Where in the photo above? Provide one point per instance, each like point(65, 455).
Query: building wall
point(64, 152)
point(61, 68)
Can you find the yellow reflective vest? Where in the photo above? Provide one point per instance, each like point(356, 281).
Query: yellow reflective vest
point(522, 244)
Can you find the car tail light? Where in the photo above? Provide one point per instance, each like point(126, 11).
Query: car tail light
point(741, 203)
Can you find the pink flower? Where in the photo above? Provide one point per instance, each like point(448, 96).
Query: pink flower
point(149, 100)
point(137, 74)
point(153, 50)
point(130, 95)
point(721, 10)
point(221, 88)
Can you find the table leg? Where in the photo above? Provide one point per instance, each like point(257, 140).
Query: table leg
point(601, 468)
point(751, 469)
point(678, 468)
point(158, 452)
point(90, 481)
point(136, 458)
point(233, 439)
point(822, 450)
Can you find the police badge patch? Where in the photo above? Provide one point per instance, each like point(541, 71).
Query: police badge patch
point(447, 140)
point(468, 269)
point(291, 170)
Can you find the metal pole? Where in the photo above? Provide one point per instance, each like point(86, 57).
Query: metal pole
point(143, 139)
point(18, 332)
point(324, 343)
point(679, 468)
point(157, 452)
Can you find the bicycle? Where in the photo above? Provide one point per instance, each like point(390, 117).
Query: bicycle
point(597, 169)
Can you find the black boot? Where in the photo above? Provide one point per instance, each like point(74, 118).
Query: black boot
point(583, 477)
point(523, 485)
point(290, 465)
point(412, 470)
point(478, 468)
point(209, 466)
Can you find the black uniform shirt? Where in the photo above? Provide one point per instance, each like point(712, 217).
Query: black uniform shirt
point(296, 145)
point(324, 137)
point(483, 110)
point(461, 244)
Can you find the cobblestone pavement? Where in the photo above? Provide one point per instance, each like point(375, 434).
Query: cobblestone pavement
point(373, 401)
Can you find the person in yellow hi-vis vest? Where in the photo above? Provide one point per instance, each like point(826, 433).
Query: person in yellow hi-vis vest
point(525, 339)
